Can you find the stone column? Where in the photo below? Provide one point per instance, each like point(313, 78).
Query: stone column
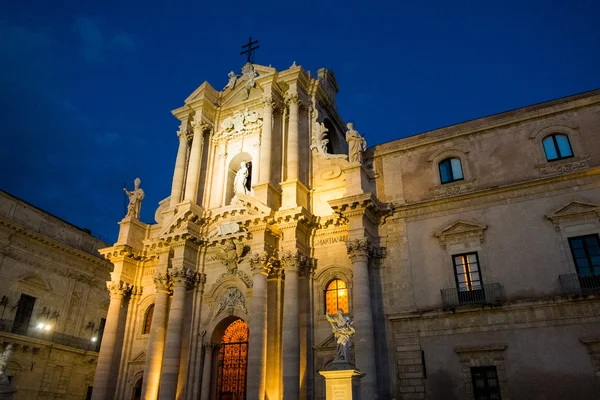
point(292, 138)
point(104, 371)
point(264, 172)
point(257, 343)
point(181, 278)
point(177, 186)
point(364, 349)
point(193, 176)
point(156, 341)
point(291, 339)
point(220, 176)
point(207, 371)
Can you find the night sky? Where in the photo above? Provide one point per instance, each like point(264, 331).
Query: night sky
point(86, 88)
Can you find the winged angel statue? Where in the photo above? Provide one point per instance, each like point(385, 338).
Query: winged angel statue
point(343, 330)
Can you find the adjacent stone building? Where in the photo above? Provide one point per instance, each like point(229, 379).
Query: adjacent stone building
point(468, 256)
point(53, 302)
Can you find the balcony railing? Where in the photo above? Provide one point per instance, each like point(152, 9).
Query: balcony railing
point(490, 293)
point(579, 284)
point(6, 325)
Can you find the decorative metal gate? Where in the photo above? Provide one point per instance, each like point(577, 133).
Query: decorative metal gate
point(233, 362)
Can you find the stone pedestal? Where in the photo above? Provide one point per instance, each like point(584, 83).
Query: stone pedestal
point(342, 382)
point(357, 179)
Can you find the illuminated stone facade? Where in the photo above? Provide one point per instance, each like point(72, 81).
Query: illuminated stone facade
point(452, 248)
point(53, 302)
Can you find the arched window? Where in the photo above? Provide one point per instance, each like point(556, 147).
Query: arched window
point(450, 170)
point(148, 320)
point(336, 296)
point(557, 147)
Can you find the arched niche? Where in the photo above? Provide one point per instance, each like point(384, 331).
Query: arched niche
point(333, 146)
point(233, 168)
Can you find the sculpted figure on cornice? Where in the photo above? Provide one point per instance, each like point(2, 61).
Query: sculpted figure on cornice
point(232, 80)
point(250, 74)
point(135, 199)
point(356, 144)
point(319, 135)
point(241, 123)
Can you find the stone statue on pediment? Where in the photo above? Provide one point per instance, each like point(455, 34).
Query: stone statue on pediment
point(356, 144)
point(135, 199)
point(232, 80)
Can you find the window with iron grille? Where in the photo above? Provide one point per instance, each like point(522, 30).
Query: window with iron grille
point(485, 383)
point(586, 255)
point(468, 277)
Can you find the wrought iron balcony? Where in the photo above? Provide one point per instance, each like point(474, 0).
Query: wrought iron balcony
point(579, 284)
point(6, 325)
point(489, 293)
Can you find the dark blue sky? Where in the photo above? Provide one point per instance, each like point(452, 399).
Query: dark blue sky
point(86, 88)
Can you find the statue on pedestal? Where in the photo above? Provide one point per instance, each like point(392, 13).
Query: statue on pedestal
point(343, 330)
point(240, 183)
point(135, 199)
point(4, 358)
point(232, 80)
point(356, 144)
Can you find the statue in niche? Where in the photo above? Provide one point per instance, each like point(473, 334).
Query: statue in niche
point(356, 144)
point(232, 80)
point(343, 330)
point(4, 359)
point(135, 199)
point(242, 179)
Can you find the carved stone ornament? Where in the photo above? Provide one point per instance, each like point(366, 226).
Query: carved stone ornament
point(232, 253)
point(241, 123)
point(182, 276)
point(232, 298)
point(319, 139)
point(293, 260)
point(563, 167)
point(118, 288)
point(453, 189)
point(198, 124)
point(162, 282)
point(358, 249)
point(260, 263)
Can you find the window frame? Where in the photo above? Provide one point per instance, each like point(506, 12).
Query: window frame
point(559, 157)
point(326, 290)
point(453, 178)
point(488, 390)
point(145, 321)
point(472, 294)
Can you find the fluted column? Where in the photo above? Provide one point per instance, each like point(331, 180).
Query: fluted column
point(291, 327)
point(193, 176)
point(104, 372)
point(257, 343)
point(177, 185)
point(169, 376)
point(292, 138)
point(364, 349)
point(264, 173)
point(156, 341)
point(207, 371)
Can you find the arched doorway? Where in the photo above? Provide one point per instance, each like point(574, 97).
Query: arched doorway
point(233, 362)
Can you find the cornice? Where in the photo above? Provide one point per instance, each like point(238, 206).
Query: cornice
point(55, 244)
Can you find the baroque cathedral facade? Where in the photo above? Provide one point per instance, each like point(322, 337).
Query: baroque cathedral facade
point(467, 256)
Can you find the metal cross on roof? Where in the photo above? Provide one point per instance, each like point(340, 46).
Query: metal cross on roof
point(249, 49)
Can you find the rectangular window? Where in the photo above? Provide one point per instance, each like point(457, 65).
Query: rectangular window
point(468, 278)
point(23, 315)
point(586, 255)
point(485, 383)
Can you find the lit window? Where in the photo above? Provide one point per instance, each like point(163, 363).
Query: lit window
point(336, 297)
point(468, 278)
point(586, 254)
point(148, 320)
point(557, 147)
point(450, 170)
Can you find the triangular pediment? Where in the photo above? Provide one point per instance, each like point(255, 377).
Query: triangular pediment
point(240, 95)
point(140, 357)
point(460, 227)
point(203, 91)
point(574, 208)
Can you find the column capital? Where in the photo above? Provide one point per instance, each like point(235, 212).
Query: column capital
point(200, 126)
point(293, 260)
point(262, 263)
point(358, 249)
point(162, 282)
point(268, 102)
point(182, 276)
point(118, 288)
point(292, 98)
